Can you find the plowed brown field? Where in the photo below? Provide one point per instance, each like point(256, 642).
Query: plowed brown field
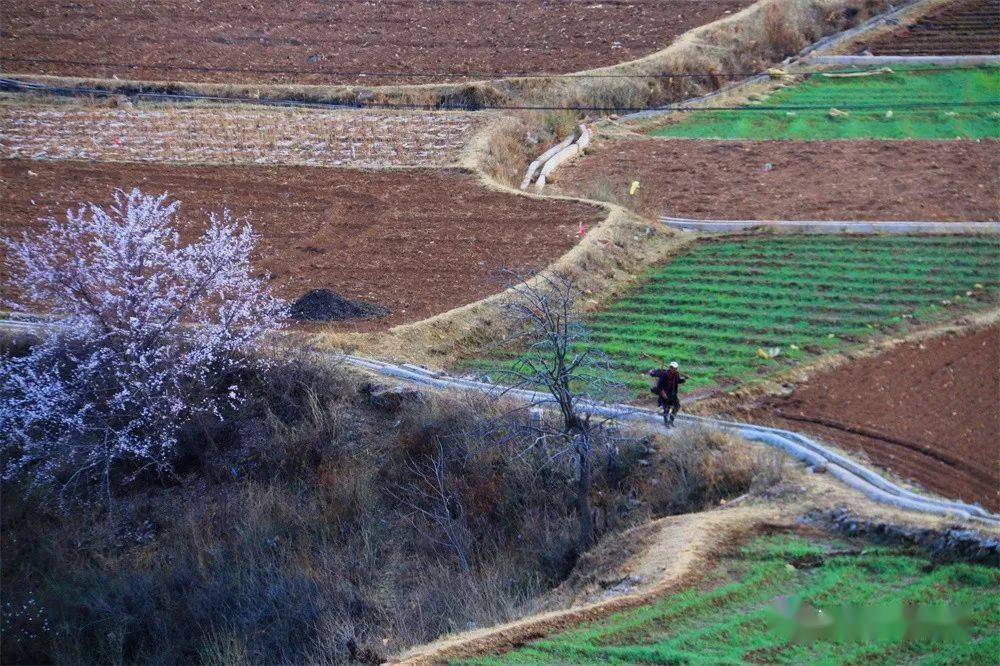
point(966, 27)
point(942, 181)
point(236, 134)
point(928, 411)
point(418, 242)
point(339, 41)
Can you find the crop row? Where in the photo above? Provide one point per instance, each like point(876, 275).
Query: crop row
point(738, 618)
point(716, 308)
point(936, 104)
point(234, 135)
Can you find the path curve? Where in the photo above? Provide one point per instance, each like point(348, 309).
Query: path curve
point(831, 227)
point(673, 560)
point(850, 473)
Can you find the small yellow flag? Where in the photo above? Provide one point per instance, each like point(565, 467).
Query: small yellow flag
point(635, 187)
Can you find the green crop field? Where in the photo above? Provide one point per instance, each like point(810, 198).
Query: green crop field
point(712, 308)
point(736, 615)
point(803, 111)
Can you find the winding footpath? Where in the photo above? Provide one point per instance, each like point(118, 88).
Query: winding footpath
point(847, 471)
point(850, 473)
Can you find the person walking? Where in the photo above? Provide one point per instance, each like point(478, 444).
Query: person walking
point(668, 383)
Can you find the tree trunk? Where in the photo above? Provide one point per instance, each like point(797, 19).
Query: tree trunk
point(583, 494)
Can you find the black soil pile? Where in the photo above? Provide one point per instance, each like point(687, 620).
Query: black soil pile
point(325, 305)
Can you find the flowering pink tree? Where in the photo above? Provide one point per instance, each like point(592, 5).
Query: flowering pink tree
point(144, 333)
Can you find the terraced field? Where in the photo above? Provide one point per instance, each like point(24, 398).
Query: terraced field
point(724, 308)
point(940, 181)
point(966, 27)
point(415, 241)
point(234, 134)
point(906, 609)
point(905, 104)
point(346, 41)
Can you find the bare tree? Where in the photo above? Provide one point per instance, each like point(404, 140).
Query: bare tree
point(554, 357)
point(431, 497)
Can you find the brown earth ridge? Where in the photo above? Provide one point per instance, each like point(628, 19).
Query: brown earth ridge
point(417, 242)
point(335, 41)
point(929, 411)
point(934, 181)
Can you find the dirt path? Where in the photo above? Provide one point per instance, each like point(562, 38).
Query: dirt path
point(940, 181)
point(418, 242)
point(928, 411)
point(673, 559)
point(344, 41)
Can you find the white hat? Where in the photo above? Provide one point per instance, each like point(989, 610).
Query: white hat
point(673, 364)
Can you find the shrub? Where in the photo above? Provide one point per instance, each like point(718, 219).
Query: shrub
point(143, 333)
point(300, 538)
point(704, 465)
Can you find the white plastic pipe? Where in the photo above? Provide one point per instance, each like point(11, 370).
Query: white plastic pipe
point(563, 155)
point(541, 159)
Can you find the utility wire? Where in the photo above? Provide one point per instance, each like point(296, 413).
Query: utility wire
point(372, 73)
point(8, 85)
point(421, 74)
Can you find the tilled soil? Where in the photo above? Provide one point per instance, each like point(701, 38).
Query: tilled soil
point(339, 41)
point(967, 27)
point(928, 411)
point(940, 181)
point(235, 134)
point(417, 242)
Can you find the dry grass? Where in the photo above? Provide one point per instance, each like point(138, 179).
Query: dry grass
point(645, 202)
point(203, 134)
point(673, 556)
point(295, 532)
point(504, 149)
point(908, 16)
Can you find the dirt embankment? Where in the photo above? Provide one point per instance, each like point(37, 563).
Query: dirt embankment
point(929, 411)
point(417, 242)
point(942, 181)
point(674, 553)
point(345, 41)
point(967, 27)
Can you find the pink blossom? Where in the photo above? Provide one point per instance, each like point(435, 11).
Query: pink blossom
point(143, 330)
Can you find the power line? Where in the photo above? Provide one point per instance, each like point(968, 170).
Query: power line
point(7, 84)
point(420, 74)
point(372, 73)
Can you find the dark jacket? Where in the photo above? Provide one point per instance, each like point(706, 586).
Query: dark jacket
point(668, 381)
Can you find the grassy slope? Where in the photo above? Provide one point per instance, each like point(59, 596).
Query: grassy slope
point(730, 619)
point(714, 307)
point(886, 92)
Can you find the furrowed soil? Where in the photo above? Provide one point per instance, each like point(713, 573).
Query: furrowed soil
point(942, 181)
point(417, 242)
point(928, 411)
point(235, 134)
point(967, 27)
point(340, 41)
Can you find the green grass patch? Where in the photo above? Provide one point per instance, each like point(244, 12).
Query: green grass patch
point(740, 617)
point(920, 104)
point(714, 307)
